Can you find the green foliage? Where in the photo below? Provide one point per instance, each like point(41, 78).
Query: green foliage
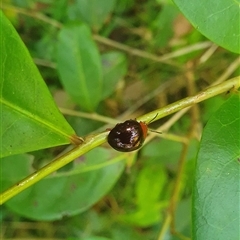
point(77, 56)
point(92, 12)
point(30, 119)
point(114, 66)
point(40, 201)
point(217, 21)
point(216, 198)
point(94, 198)
point(149, 187)
point(165, 18)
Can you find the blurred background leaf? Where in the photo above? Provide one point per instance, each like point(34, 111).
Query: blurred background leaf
point(93, 12)
point(79, 66)
point(65, 193)
point(114, 65)
point(149, 186)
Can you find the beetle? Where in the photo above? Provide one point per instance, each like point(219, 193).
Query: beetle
point(128, 136)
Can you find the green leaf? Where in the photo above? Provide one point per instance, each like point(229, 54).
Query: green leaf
point(30, 119)
point(114, 66)
point(143, 217)
point(165, 150)
point(64, 193)
point(150, 183)
point(97, 238)
point(79, 65)
point(161, 26)
point(217, 20)
point(9, 175)
point(216, 193)
point(92, 12)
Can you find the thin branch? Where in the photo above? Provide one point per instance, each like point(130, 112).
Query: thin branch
point(93, 141)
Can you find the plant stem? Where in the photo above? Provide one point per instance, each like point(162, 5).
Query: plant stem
point(227, 86)
point(89, 143)
point(93, 141)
